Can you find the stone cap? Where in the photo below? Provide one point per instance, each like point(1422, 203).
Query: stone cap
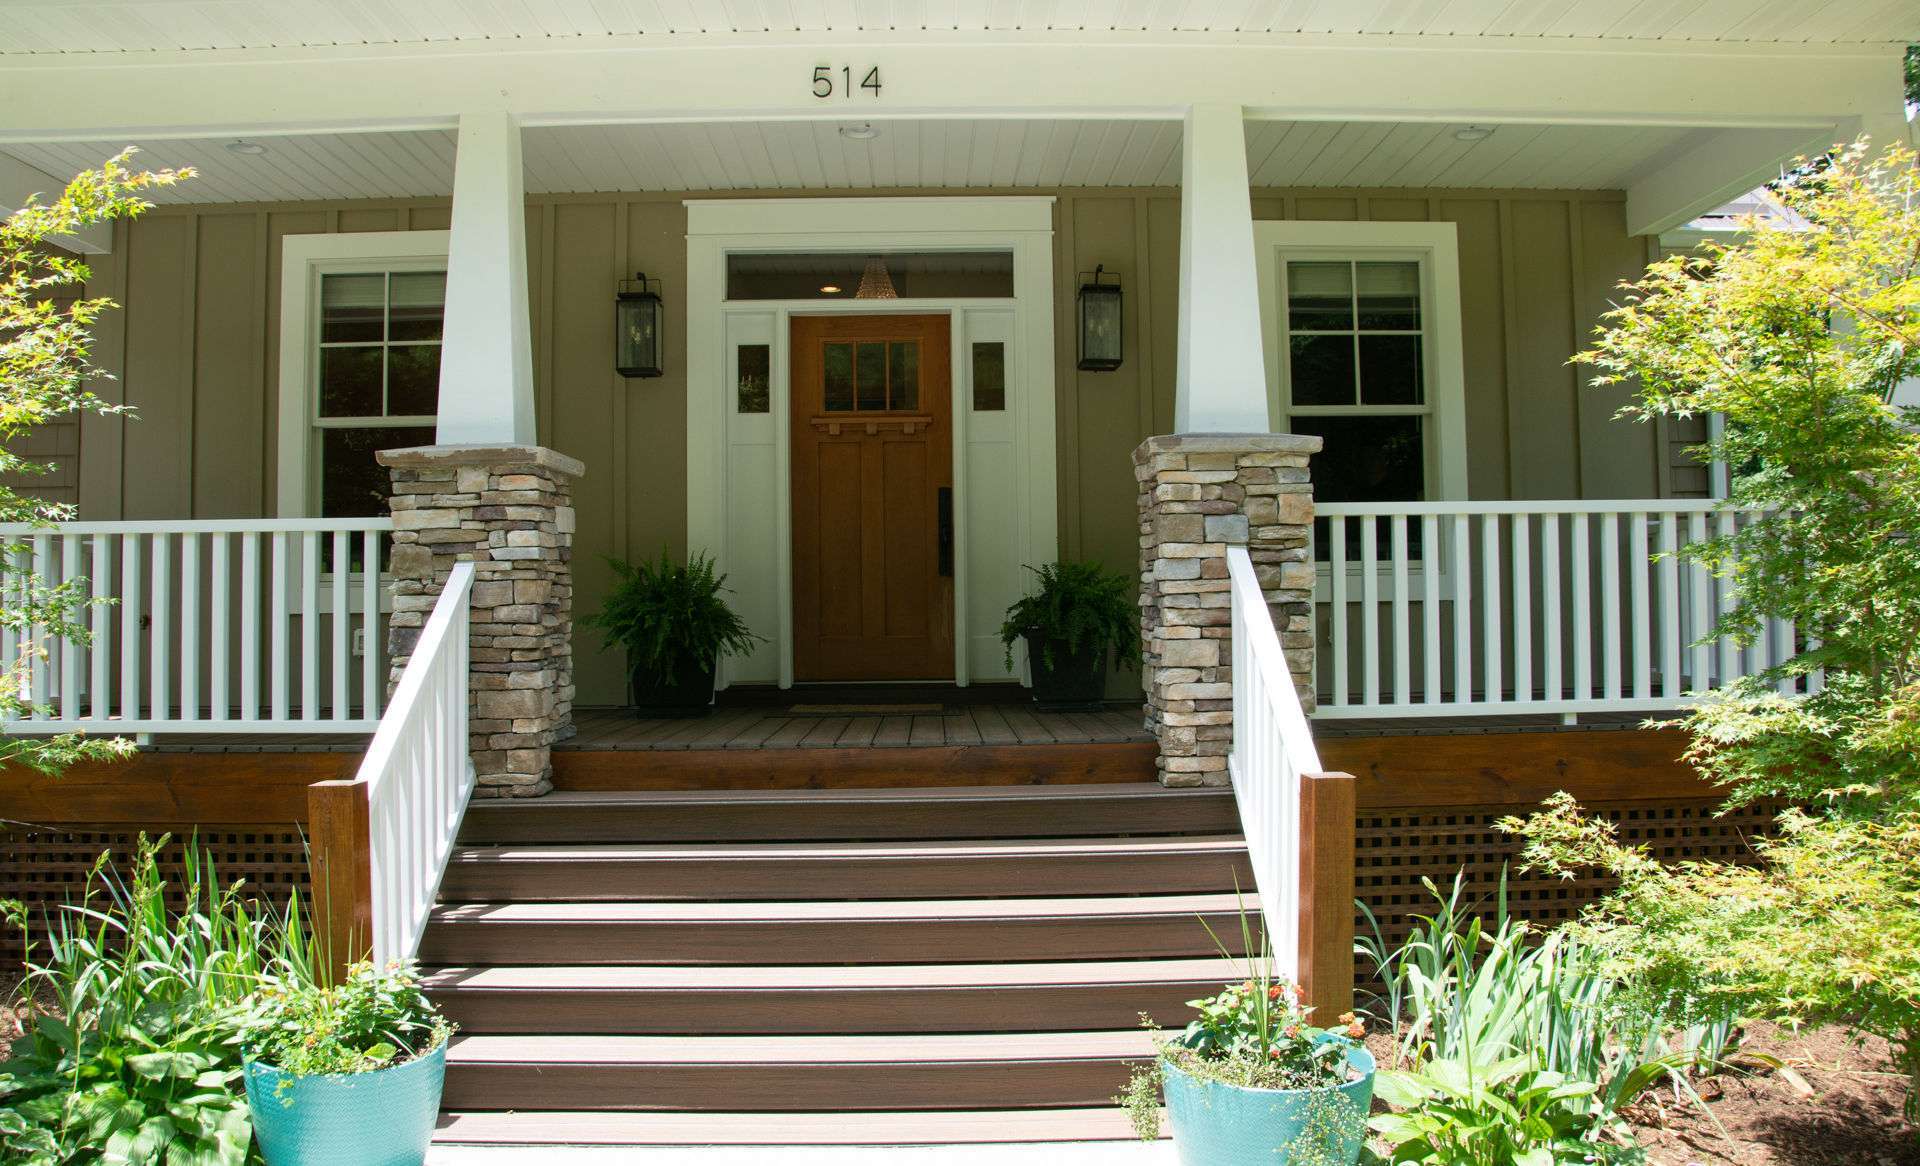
point(483, 454)
point(1301, 443)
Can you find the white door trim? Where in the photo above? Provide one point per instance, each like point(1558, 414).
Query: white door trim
point(722, 463)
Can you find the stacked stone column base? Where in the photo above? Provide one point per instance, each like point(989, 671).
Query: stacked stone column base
point(508, 509)
point(1201, 493)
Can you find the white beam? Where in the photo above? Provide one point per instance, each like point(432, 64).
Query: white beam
point(486, 360)
point(1220, 380)
point(924, 74)
point(19, 181)
point(1712, 168)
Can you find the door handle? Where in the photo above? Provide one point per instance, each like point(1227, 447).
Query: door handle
point(944, 509)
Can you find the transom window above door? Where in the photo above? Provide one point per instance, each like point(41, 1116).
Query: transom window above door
point(856, 275)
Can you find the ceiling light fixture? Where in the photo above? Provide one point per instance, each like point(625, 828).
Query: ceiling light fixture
point(829, 289)
point(866, 131)
point(242, 146)
point(1472, 133)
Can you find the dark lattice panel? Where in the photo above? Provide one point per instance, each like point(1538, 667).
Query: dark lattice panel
point(45, 868)
point(1394, 850)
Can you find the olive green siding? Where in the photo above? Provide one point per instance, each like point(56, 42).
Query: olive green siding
point(195, 352)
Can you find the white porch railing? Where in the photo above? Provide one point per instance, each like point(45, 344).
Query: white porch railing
point(1272, 752)
point(418, 776)
point(1451, 608)
point(218, 626)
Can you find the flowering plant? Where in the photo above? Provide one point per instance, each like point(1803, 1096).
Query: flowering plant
point(375, 1018)
point(1263, 1023)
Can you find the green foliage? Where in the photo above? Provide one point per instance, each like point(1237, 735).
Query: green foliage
point(666, 615)
point(375, 1019)
point(130, 1057)
point(1798, 336)
point(1079, 606)
point(44, 343)
point(1485, 1112)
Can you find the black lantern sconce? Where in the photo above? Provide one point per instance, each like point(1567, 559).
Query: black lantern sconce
point(638, 333)
point(1100, 318)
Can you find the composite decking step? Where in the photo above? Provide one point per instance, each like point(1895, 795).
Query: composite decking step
point(833, 932)
point(792, 1073)
point(613, 1128)
point(846, 870)
point(882, 998)
point(578, 816)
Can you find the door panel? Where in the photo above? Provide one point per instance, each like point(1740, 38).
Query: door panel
point(872, 446)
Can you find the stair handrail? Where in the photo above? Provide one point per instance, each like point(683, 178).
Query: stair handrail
point(1272, 752)
point(418, 776)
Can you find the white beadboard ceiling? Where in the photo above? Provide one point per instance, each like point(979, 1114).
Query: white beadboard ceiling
point(959, 154)
point(134, 26)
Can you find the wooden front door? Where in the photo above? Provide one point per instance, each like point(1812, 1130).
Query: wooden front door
point(872, 498)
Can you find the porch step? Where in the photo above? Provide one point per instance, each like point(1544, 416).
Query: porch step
point(877, 932)
point(845, 870)
point(792, 1073)
point(578, 816)
point(657, 999)
point(616, 1128)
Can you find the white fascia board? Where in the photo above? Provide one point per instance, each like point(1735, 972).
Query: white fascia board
point(19, 181)
point(1711, 169)
point(770, 217)
point(620, 79)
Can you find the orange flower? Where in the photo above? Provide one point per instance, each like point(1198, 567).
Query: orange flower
point(1292, 1030)
point(1273, 993)
point(1356, 1030)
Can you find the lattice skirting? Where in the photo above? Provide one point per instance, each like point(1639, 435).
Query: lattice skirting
point(1395, 849)
point(45, 868)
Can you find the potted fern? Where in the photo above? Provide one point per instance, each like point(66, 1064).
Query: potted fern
point(675, 627)
point(1079, 615)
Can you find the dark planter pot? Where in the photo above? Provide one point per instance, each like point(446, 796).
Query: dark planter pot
point(1074, 684)
point(688, 692)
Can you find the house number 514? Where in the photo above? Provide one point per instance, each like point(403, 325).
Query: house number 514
point(827, 81)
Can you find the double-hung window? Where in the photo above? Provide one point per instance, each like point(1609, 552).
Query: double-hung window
point(377, 360)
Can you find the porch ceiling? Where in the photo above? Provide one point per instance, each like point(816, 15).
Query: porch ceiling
point(928, 153)
point(131, 26)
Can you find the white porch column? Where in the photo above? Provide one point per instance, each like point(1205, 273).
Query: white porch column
point(1220, 384)
point(486, 363)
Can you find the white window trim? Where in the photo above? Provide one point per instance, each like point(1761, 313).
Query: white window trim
point(303, 260)
point(1437, 247)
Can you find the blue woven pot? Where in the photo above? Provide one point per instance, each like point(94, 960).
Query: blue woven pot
point(1225, 1125)
point(382, 1118)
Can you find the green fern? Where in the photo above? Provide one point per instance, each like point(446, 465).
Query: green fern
point(666, 615)
point(1079, 606)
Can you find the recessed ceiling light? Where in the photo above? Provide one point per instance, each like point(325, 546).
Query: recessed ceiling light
point(242, 146)
point(866, 131)
point(829, 289)
point(1472, 133)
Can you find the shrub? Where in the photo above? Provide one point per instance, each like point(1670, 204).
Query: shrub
point(1079, 606)
point(666, 615)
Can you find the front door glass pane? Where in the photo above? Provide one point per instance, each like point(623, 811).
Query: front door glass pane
point(870, 375)
point(903, 375)
point(838, 375)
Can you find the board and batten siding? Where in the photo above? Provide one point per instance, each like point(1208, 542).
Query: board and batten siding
point(196, 353)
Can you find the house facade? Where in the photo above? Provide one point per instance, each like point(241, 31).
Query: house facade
point(826, 292)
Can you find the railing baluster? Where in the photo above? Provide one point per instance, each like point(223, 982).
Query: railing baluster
point(279, 658)
point(1430, 607)
point(1672, 636)
point(1641, 564)
point(1369, 612)
point(1580, 611)
point(1522, 576)
point(69, 651)
point(1462, 610)
point(1491, 625)
point(39, 667)
point(1610, 606)
point(190, 627)
point(130, 634)
point(1402, 634)
point(250, 626)
point(219, 621)
point(373, 688)
point(342, 626)
point(1553, 676)
point(1337, 573)
point(1702, 609)
point(1729, 650)
point(310, 625)
point(100, 623)
point(160, 630)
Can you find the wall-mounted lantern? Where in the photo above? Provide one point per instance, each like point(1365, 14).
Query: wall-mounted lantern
point(638, 331)
point(1100, 322)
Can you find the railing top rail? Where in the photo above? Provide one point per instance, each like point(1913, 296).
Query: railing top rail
point(451, 605)
point(1548, 506)
point(201, 526)
point(1263, 649)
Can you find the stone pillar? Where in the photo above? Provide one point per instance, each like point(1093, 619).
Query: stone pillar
point(1199, 494)
point(509, 510)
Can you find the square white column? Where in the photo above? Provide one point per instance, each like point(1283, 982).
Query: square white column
point(486, 361)
point(1221, 382)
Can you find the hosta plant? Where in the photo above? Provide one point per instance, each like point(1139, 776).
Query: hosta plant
point(1482, 1112)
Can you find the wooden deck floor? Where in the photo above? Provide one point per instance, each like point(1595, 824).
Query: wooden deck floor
point(822, 726)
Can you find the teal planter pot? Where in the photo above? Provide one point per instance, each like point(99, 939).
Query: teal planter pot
point(382, 1118)
point(1225, 1125)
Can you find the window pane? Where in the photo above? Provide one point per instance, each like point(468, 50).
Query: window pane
point(351, 307)
point(903, 375)
point(1390, 370)
point(1367, 459)
point(413, 380)
point(754, 394)
point(836, 275)
point(989, 376)
point(419, 300)
point(352, 484)
point(1319, 296)
point(837, 360)
point(1389, 295)
point(1322, 370)
point(870, 375)
point(350, 382)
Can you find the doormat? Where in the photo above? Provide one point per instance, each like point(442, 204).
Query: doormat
point(865, 710)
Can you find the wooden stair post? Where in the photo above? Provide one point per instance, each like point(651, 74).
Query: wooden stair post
point(1327, 809)
point(340, 862)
